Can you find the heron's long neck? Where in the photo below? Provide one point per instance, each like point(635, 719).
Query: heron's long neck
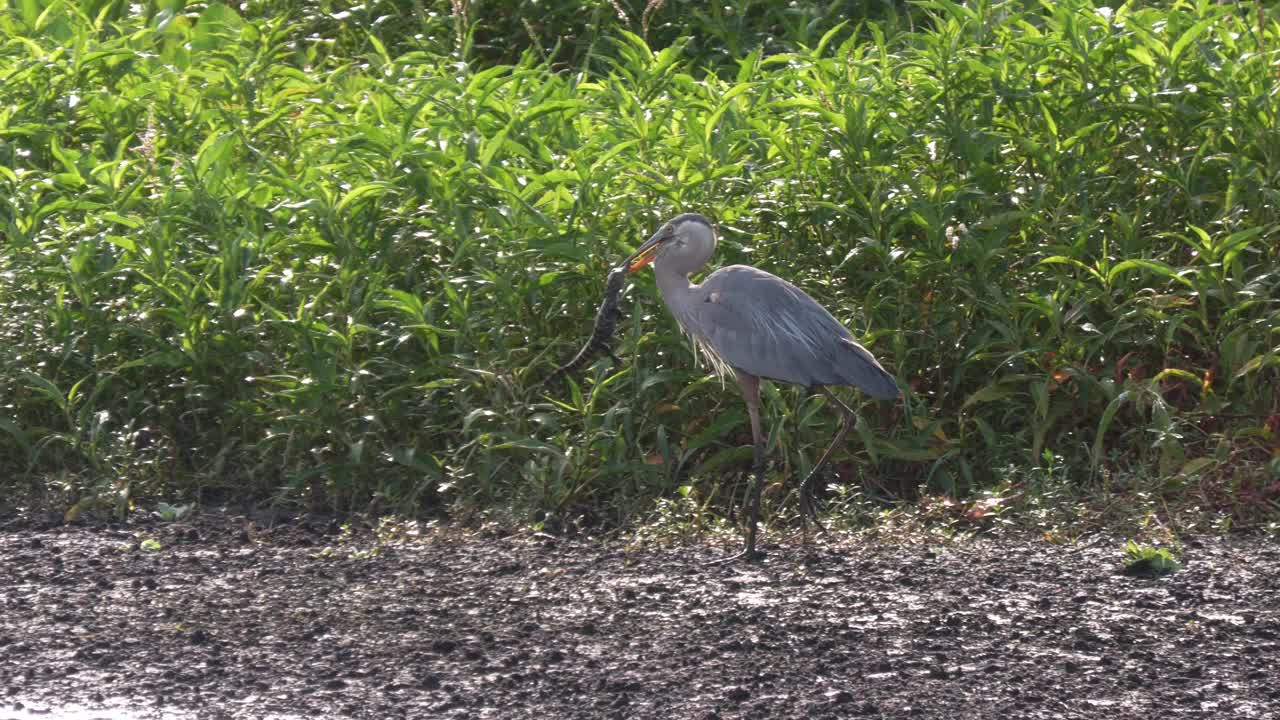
point(674, 286)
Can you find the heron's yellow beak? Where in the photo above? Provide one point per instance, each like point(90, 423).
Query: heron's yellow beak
point(646, 253)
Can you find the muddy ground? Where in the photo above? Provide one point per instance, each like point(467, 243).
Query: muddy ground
point(217, 618)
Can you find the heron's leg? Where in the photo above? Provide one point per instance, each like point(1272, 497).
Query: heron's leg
point(750, 385)
point(807, 511)
point(751, 391)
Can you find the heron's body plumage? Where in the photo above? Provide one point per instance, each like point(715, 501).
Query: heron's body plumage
point(750, 320)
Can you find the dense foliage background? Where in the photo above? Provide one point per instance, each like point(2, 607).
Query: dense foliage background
point(324, 253)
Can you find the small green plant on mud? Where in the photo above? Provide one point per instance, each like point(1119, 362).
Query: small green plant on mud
point(144, 543)
point(358, 545)
point(850, 507)
point(681, 518)
point(173, 513)
point(1149, 560)
point(347, 537)
point(395, 530)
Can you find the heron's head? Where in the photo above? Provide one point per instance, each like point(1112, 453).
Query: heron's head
point(684, 243)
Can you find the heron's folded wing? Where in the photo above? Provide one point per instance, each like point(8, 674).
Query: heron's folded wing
point(764, 325)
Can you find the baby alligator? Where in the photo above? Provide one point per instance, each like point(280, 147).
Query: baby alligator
point(607, 318)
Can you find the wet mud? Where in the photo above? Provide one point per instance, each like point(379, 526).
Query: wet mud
point(220, 618)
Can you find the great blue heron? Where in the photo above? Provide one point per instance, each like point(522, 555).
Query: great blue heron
point(755, 325)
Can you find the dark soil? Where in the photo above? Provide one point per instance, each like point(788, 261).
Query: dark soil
point(223, 619)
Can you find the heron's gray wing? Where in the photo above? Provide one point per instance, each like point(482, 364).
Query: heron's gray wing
point(756, 321)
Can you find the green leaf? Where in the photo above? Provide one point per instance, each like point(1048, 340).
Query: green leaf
point(1063, 260)
point(613, 152)
point(1189, 37)
point(726, 456)
point(1196, 466)
point(46, 388)
point(477, 415)
point(367, 191)
point(910, 454)
point(827, 37)
point(1048, 120)
point(524, 443)
point(30, 12)
point(1178, 373)
point(18, 434)
point(570, 107)
point(492, 145)
point(1142, 56)
point(130, 221)
point(989, 393)
point(1104, 424)
point(213, 152)
point(217, 26)
point(1154, 266)
point(123, 242)
point(66, 205)
point(1258, 362)
point(748, 66)
point(722, 424)
point(69, 159)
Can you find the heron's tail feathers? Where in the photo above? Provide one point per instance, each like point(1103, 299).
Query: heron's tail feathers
point(861, 369)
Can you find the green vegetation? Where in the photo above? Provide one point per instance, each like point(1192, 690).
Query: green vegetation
point(1148, 560)
point(323, 255)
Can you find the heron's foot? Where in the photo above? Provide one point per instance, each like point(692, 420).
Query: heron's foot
point(749, 553)
point(745, 555)
point(809, 509)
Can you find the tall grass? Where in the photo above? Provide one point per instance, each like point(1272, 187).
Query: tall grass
point(241, 259)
